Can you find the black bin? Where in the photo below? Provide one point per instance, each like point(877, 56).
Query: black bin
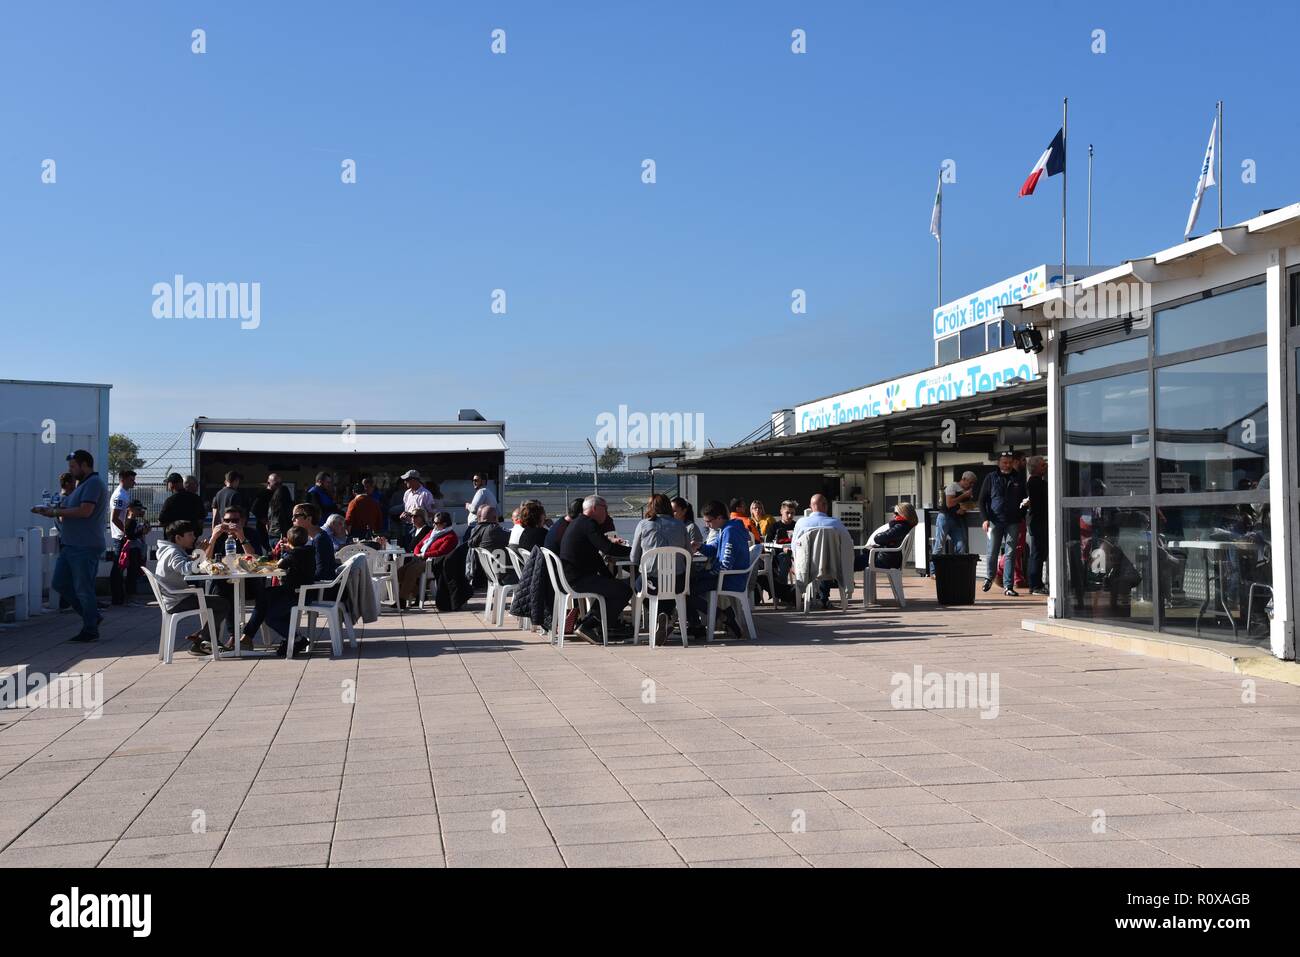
point(954, 579)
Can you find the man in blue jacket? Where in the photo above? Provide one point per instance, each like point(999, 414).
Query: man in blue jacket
point(1000, 499)
point(729, 551)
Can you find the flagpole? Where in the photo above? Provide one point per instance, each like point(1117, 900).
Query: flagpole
point(1089, 204)
point(1220, 125)
point(940, 239)
point(1065, 171)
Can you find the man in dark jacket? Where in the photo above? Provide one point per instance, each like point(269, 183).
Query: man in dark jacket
point(583, 551)
point(279, 508)
point(1000, 499)
point(1036, 519)
point(181, 506)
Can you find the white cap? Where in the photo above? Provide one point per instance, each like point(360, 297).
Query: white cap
point(411, 474)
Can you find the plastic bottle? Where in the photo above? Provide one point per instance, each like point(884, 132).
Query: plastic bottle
point(230, 551)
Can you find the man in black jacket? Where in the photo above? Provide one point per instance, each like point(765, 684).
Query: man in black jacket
point(1000, 499)
point(279, 508)
point(1036, 498)
point(181, 506)
point(583, 551)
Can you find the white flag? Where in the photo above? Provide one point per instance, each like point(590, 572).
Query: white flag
point(936, 214)
point(1206, 178)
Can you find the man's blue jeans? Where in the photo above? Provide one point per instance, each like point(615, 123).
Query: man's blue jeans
point(74, 578)
point(948, 530)
point(1002, 538)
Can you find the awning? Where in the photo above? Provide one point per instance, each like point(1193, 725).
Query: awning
point(361, 443)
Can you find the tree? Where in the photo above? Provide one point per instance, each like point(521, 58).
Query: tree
point(122, 454)
point(610, 459)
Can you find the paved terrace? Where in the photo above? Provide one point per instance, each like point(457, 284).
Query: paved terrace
point(457, 727)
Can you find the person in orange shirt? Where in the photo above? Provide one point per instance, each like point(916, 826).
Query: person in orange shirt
point(762, 521)
point(739, 512)
point(363, 514)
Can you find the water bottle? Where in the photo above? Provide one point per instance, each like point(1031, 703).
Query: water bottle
point(230, 551)
point(47, 500)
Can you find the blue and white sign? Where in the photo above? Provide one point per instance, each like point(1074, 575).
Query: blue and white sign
point(986, 305)
point(955, 381)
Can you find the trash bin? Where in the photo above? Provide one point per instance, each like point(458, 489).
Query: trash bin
point(954, 579)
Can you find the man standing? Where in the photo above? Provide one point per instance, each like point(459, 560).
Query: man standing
point(81, 542)
point(279, 508)
point(583, 551)
point(415, 496)
point(365, 518)
point(1036, 502)
point(322, 495)
point(181, 505)
point(118, 506)
point(949, 525)
point(482, 496)
point(1000, 499)
point(230, 496)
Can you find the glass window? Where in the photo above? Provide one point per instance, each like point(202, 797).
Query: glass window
point(1211, 560)
point(1107, 438)
point(1008, 335)
point(1108, 558)
point(1203, 322)
point(1212, 423)
point(1111, 354)
point(948, 350)
point(972, 341)
point(993, 336)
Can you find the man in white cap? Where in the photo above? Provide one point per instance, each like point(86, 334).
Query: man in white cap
point(415, 496)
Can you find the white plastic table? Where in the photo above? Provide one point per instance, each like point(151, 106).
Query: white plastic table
point(237, 579)
point(1215, 553)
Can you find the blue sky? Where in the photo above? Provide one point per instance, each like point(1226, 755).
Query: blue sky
point(522, 172)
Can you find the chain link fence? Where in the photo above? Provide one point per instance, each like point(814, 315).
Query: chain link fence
point(555, 473)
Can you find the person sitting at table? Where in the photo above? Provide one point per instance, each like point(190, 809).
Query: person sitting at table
point(305, 516)
point(741, 514)
point(819, 517)
point(684, 513)
point(761, 520)
point(365, 516)
point(337, 531)
point(729, 551)
point(659, 529)
point(531, 530)
point(233, 526)
point(778, 533)
point(583, 552)
point(555, 534)
point(174, 563)
point(440, 541)
point(276, 602)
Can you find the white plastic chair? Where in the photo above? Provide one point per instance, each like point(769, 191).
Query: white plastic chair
point(518, 559)
point(806, 590)
point(171, 620)
point(664, 560)
point(383, 572)
point(347, 551)
point(332, 611)
point(740, 598)
point(895, 575)
point(565, 595)
point(498, 591)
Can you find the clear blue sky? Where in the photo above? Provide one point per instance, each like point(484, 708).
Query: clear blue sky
point(523, 172)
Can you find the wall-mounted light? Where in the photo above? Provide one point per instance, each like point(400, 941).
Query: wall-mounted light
point(1028, 339)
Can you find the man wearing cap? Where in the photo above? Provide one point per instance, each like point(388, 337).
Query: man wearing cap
point(482, 496)
point(81, 543)
point(1000, 499)
point(416, 496)
point(181, 505)
point(118, 506)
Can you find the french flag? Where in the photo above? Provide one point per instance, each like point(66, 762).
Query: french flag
point(1051, 162)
